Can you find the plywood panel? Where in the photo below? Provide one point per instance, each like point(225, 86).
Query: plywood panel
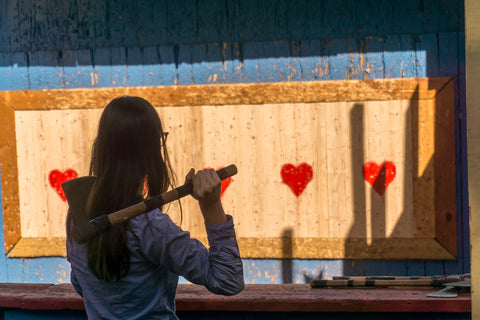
point(336, 214)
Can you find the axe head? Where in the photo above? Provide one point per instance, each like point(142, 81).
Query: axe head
point(77, 191)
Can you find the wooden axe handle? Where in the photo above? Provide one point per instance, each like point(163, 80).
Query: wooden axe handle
point(104, 222)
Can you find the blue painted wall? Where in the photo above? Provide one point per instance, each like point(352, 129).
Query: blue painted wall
point(90, 44)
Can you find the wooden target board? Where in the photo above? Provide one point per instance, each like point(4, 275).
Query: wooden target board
point(326, 170)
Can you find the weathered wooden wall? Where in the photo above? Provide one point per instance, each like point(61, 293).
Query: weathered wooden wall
point(92, 44)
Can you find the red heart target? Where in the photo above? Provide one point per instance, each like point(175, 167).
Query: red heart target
point(56, 178)
point(379, 176)
point(297, 177)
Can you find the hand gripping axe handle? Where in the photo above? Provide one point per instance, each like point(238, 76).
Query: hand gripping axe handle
point(77, 191)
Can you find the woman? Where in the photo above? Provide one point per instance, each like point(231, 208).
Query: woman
point(131, 271)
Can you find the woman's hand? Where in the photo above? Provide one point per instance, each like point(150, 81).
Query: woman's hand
point(206, 190)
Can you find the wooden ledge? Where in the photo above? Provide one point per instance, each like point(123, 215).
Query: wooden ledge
point(255, 298)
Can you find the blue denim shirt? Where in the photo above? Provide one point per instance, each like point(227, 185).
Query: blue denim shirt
point(163, 252)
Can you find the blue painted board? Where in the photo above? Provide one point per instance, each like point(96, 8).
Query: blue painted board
point(184, 68)
point(394, 57)
point(119, 67)
point(152, 29)
point(37, 270)
point(135, 68)
point(402, 19)
point(276, 65)
point(5, 71)
point(212, 21)
point(19, 71)
point(251, 61)
point(438, 15)
point(182, 21)
point(314, 60)
point(151, 66)
point(102, 68)
point(169, 60)
point(416, 268)
point(78, 71)
point(45, 70)
point(338, 59)
point(407, 47)
point(210, 68)
point(233, 63)
point(374, 58)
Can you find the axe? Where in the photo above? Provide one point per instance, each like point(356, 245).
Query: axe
point(77, 191)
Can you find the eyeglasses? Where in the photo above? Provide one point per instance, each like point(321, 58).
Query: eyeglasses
point(164, 138)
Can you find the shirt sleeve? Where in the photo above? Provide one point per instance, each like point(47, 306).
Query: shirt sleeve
point(219, 268)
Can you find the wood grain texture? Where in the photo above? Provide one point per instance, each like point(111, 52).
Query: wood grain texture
point(8, 167)
point(229, 94)
point(30, 247)
point(267, 125)
point(92, 24)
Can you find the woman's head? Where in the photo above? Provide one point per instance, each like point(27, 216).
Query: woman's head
point(128, 147)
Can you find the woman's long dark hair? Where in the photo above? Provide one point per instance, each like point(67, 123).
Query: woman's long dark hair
point(129, 147)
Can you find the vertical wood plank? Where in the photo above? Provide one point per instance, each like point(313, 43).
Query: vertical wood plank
point(277, 70)
point(472, 52)
point(185, 64)
point(398, 226)
point(118, 62)
point(438, 15)
point(338, 167)
point(102, 68)
point(44, 70)
point(252, 52)
point(356, 64)
point(314, 60)
point(232, 58)
point(78, 69)
point(168, 59)
point(338, 59)
point(375, 64)
point(136, 75)
point(5, 71)
point(20, 74)
point(408, 68)
point(394, 58)
point(152, 66)
point(9, 169)
point(154, 32)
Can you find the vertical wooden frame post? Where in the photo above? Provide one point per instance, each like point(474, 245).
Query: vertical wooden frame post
point(472, 52)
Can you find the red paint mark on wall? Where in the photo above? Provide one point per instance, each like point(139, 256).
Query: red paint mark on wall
point(297, 177)
point(225, 184)
point(379, 176)
point(56, 178)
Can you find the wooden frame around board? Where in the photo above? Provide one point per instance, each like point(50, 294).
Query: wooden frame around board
point(432, 126)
